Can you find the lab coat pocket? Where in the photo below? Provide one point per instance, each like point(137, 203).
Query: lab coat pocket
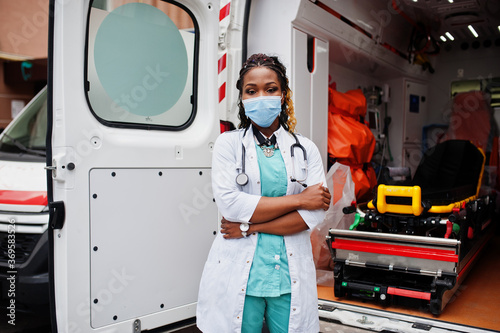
point(225, 267)
point(223, 279)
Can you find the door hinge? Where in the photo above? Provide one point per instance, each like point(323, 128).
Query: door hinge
point(222, 40)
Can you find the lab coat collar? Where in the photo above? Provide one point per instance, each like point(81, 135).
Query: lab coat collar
point(248, 138)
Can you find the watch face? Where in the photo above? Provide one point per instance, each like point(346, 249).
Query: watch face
point(244, 226)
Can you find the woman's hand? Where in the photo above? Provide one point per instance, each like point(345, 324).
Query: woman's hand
point(315, 197)
point(312, 198)
point(231, 230)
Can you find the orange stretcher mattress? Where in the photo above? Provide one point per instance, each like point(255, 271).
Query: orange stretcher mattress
point(350, 141)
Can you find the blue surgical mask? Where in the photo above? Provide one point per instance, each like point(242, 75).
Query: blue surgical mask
point(263, 110)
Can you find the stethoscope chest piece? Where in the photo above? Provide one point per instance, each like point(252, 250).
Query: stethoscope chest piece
point(242, 179)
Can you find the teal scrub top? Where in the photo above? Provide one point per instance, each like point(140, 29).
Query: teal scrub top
point(269, 274)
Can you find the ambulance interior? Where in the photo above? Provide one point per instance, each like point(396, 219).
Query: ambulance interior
point(413, 123)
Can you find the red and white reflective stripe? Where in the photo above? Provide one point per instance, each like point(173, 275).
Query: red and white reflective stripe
point(224, 11)
point(224, 16)
point(222, 92)
point(33, 198)
point(222, 63)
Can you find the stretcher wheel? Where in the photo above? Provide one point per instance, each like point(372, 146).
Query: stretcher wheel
point(435, 306)
point(338, 290)
point(338, 275)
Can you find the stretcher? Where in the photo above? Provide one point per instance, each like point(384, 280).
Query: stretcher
point(418, 241)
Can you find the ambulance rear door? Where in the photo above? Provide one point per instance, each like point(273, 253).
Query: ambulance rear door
point(132, 122)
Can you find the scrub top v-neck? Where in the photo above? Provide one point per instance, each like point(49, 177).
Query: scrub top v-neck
point(269, 274)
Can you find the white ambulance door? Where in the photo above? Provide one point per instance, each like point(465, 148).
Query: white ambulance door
point(132, 122)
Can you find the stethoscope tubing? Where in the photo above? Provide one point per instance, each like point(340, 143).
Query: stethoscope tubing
point(242, 177)
point(292, 148)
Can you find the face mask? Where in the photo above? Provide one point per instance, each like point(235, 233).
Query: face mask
point(263, 110)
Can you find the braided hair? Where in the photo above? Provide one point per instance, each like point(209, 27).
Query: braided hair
point(287, 114)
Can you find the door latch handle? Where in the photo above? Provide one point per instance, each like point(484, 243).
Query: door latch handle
point(57, 214)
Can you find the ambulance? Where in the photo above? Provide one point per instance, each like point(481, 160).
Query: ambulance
point(24, 207)
point(138, 92)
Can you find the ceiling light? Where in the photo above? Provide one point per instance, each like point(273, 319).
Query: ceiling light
point(473, 31)
point(450, 1)
point(443, 38)
point(450, 37)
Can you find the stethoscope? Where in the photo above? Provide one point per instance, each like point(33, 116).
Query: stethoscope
point(242, 177)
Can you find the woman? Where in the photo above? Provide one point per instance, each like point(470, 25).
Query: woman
point(270, 195)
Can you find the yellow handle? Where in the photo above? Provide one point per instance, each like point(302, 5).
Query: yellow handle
point(413, 192)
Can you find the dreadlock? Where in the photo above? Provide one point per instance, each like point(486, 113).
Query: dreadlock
point(287, 114)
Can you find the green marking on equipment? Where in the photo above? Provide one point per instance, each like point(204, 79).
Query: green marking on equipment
point(357, 220)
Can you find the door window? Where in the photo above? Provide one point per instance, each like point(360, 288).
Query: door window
point(141, 64)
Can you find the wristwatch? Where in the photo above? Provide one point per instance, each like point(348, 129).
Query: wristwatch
point(244, 228)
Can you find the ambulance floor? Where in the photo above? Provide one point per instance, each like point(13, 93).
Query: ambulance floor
point(475, 303)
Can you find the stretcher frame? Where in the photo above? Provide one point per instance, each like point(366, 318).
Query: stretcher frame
point(413, 250)
point(435, 262)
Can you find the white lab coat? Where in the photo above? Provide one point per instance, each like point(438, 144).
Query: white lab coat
point(224, 281)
